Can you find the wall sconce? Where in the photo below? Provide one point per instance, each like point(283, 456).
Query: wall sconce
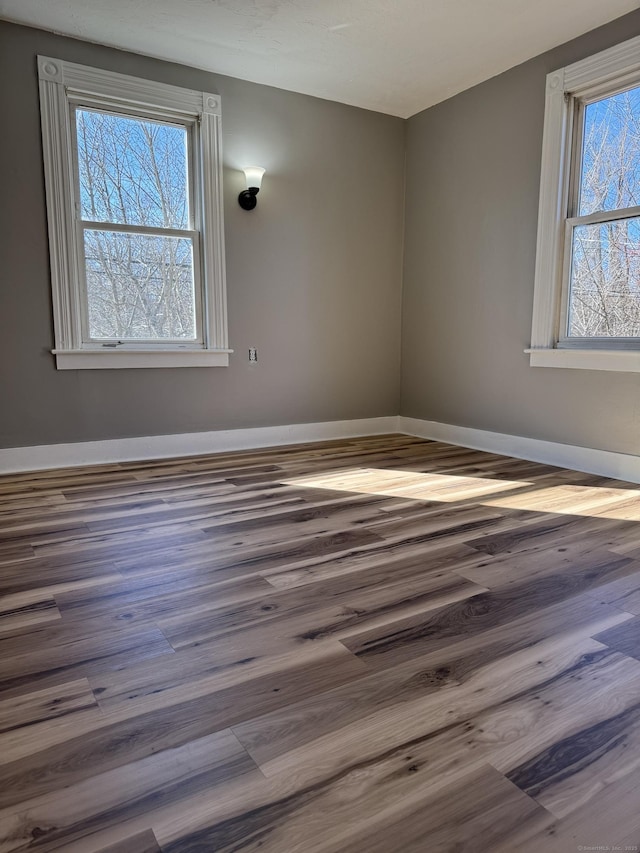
point(247, 198)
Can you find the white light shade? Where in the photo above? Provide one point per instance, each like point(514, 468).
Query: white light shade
point(254, 174)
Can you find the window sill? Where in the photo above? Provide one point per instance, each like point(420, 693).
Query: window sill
point(110, 359)
point(627, 361)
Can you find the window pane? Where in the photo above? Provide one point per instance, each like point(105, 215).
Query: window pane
point(604, 300)
point(139, 286)
point(132, 171)
point(611, 154)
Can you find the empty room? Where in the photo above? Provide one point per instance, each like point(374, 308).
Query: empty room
point(320, 426)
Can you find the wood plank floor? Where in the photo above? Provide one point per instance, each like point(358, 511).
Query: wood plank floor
point(377, 645)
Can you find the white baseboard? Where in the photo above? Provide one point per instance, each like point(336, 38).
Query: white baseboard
point(621, 466)
point(41, 457)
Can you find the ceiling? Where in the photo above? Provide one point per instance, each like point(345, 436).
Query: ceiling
point(393, 56)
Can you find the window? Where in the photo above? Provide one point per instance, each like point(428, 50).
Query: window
point(587, 287)
point(133, 179)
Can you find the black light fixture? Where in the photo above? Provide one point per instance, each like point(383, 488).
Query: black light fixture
point(247, 198)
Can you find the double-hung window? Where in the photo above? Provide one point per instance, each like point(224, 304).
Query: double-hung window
point(587, 288)
point(133, 179)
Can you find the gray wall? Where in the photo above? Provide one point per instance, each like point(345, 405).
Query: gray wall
point(313, 275)
point(473, 172)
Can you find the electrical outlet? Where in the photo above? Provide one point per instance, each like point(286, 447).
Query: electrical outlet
point(253, 355)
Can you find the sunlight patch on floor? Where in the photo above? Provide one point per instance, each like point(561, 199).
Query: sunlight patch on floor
point(408, 484)
point(563, 498)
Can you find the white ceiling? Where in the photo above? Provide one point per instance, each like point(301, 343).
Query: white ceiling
point(393, 56)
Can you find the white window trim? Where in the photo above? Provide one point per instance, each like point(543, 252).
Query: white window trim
point(590, 78)
point(61, 81)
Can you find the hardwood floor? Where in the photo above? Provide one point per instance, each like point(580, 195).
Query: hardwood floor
point(380, 645)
